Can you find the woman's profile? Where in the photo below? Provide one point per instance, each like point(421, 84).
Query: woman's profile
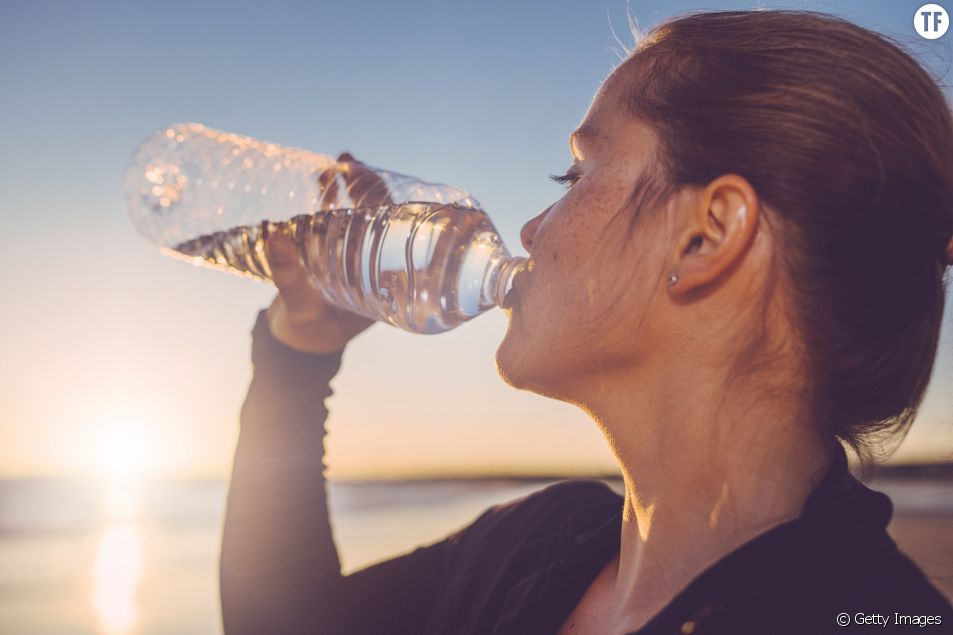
point(746, 274)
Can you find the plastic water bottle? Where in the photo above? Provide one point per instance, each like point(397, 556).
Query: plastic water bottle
point(421, 256)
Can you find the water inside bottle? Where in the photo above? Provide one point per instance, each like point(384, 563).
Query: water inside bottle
point(424, 267)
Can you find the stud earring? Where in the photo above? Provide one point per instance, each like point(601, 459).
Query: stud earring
point(672, 279)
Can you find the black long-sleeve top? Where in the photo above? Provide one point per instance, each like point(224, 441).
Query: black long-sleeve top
point(521, 567)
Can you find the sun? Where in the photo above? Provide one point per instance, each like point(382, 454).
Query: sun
point(122, 444)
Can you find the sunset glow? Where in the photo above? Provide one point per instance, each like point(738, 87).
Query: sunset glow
point(123, 446)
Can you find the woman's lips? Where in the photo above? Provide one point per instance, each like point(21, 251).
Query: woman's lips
point(513, 294)
point(510, 298)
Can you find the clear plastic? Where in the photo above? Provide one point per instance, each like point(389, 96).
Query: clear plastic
point(421, 256)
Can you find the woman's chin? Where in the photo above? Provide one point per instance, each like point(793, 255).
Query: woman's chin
point(507, 360)
point(518, 364)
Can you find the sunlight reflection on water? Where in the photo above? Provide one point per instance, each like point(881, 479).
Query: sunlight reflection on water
point(117, 566)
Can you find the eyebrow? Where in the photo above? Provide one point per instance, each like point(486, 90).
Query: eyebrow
point(581, 133)
point(572, 142)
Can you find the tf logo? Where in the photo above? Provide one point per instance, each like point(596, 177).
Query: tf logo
point(931, 21)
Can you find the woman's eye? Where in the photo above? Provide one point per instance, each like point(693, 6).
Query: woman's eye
point(567, 180)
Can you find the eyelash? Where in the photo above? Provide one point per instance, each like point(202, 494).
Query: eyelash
point(567, 180)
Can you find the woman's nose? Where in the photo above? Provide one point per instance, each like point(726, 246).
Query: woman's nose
point(529, 230)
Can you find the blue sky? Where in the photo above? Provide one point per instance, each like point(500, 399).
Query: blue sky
point(481, 95)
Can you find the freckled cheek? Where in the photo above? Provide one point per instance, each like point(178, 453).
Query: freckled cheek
point(570, 232)
point(565, 250)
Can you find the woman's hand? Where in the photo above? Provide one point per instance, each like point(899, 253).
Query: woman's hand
point(299, 316)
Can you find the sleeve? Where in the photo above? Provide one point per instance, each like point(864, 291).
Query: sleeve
point(279, 567)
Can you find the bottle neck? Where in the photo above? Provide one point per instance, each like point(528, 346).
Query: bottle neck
point(501, 280)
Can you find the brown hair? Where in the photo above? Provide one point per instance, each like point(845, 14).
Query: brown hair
point(849, 141)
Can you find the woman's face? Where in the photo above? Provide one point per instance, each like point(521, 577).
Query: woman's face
point(583, 308)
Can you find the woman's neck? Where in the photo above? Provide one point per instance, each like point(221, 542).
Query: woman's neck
point(705, 471)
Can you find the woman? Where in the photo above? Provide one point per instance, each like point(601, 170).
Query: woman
point(747, 272)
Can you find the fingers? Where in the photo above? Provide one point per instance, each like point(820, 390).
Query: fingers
point(367, 189)
point(332, 179)
point(300, 316)
point(328, 186)
point(364, 187)
point(289, 273)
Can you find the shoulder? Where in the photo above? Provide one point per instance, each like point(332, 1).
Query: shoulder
point(865, 583)
point(562, 496)
point(556, 499)
point(870, 578)
point(508, 544)
point(881, 573)
point(530, 515)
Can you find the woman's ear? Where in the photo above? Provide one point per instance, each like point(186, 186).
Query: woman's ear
point(720, 226)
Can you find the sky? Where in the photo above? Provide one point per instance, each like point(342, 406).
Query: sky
point(115, 357)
